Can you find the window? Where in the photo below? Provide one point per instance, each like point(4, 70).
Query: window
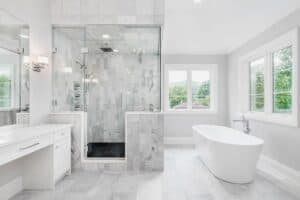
point(200, 90)
point(190, 87)
point(5, 86)
point(257, 98)
point(273, 77)
point(282, 80)
point(178, 89)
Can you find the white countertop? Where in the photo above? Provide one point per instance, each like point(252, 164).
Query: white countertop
point(68, 113)
point(144, 113)
point(18, 133)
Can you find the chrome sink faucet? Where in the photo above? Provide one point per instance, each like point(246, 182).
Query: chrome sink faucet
point(246, 127)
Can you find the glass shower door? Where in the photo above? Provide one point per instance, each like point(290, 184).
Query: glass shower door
point(122, 74)
point(68, 59)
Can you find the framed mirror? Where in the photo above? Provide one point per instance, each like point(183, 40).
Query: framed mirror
point(14, 76)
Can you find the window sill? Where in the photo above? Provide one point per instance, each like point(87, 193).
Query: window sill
point(281, 119)
point(8, 109)
point(191, 112)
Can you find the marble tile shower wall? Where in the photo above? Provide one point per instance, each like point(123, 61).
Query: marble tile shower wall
point(107, 11)
point(124, 84)
point(66, 72)
point(145, 141)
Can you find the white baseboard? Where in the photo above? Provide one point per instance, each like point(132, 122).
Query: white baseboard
point(282, 175)
point(186, 141)
point(11, 188)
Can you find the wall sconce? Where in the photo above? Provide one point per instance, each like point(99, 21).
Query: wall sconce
point(36, 63)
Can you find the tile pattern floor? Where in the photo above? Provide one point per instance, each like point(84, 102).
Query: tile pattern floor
point(184, 178)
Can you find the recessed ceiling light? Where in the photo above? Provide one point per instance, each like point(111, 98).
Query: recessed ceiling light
point(197, 1)
point(24, 36)
point(105, 36)
point(116, 50)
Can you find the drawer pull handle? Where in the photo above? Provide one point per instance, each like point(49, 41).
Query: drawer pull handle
point(35, 144)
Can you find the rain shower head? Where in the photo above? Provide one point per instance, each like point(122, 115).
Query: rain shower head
point(106, 49)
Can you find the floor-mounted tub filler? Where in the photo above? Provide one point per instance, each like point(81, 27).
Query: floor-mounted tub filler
point(229, 154)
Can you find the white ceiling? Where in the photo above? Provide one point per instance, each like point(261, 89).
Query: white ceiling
point(218, 26)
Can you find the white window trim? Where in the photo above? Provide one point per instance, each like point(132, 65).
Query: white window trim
point(213, 72)
point(291, 38)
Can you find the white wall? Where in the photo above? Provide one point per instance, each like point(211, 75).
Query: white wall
point(180, 125)
point(281, 143)
point(107, 11)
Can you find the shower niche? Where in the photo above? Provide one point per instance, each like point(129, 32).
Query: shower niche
point(116, 69)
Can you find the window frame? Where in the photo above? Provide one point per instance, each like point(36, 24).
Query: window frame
point(290, 38)
point(213, 73)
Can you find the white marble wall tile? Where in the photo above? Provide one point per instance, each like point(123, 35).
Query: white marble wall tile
point(158, 19)
point(144, 7)
point(90, 19)
point(145, 142)
point(126, 8)
point(71, 7)
point(159, 7)
point(107, 11)
point(108, 7)
point(65, 19)
point(90, 8)
point(56, 7)
point(127, 19)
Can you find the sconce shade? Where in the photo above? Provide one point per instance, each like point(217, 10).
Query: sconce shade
point(43, 60)
point(36, 62)
point(26, 60)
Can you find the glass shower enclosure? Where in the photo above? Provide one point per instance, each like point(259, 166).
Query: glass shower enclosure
point(105, 71)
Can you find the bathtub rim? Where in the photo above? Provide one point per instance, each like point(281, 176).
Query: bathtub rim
point(260, 142)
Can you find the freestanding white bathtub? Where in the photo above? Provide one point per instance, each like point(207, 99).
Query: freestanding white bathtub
point(229, 154)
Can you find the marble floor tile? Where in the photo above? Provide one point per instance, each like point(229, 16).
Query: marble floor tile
point(184, 178)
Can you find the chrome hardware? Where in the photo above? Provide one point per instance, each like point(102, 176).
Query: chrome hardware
point(54, 50)
point(246, 126)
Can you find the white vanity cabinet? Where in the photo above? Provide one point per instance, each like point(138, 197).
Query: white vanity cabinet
point(43, 153)
point(62, 153)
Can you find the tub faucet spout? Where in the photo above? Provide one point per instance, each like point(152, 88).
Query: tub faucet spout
point(246, 126)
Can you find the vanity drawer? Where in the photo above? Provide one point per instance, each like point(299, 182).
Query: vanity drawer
point(61, 134)
point(14, 151)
